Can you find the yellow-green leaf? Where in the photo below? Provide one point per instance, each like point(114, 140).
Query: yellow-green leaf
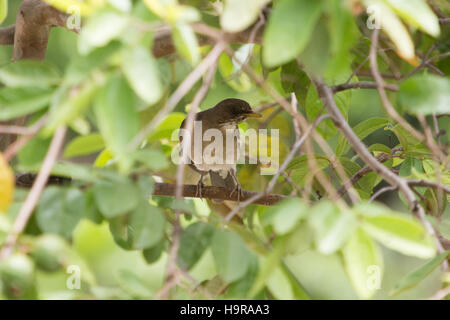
point(364, 264)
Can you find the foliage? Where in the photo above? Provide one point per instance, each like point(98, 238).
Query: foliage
point(106, 85)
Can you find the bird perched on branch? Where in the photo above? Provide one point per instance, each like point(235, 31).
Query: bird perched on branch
point(214, 145)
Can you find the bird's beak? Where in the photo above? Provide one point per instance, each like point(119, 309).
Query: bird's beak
point(252, 115)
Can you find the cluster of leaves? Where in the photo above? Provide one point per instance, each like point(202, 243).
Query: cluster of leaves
point(112, 84)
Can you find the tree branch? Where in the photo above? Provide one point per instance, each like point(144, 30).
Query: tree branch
point(217, 193)
point(7, 35)
point(362, 85)
point(34, 20)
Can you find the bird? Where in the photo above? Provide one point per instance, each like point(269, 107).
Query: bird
point(224, 116)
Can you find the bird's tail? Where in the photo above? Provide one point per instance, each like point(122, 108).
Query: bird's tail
point(224, 207)
point(218, 181)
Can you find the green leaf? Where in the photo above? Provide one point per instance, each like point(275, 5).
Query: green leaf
point(407, 166)
point(396, 231)
point(425, 94)
point(142, 73)
point(100, 29)
point(241, 287)
point(238, 15)
point(60, 210)
point(166, 128)
point(415, 277)
point(195, 239)
point(109, 197)
point(315, 56)
point(81, 67)
point(300, 167)
point(285, 215)
point(18, 277)
point(134, 285)
point(118, 118)
point(293, 79)
point(29, 73)
point(332, 226)
point(3, 10)
point(84, 145)
point(72, 107)
point(230, 254)
point(290, 26)
point(314, 108)
point(343, 34)
point(393, 27)
point(151, 255)
point(153, 159)
point(410, 144)
point(417, 13)
point(33, 153)
point(364, 264)
point(362, 130)
point(16, 102)
point(186, 43)
point(146, 226)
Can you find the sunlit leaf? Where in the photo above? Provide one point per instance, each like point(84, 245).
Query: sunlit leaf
point(26, 73)
point(100, 30)
point(393, 26)
point(417, 13)
point(142, 73)
point(285, 215)
point(6, 185)
point(84, 145)
point(117, 118)
point(397, 231)
point(238, 15)
point(332, 226)
point(364, 264)
point(289, 27)
point(3, 10)
point(186, 43)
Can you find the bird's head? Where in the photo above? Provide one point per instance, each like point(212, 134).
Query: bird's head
point(234, 111)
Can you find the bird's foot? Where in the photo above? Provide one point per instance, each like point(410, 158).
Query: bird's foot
point(199, 190)
point(237, 189)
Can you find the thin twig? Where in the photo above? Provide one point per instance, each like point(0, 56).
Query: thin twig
point(381, 191)
point(441, 294)
point(186, 143)
point(33, 196)
point(380, 86)
point(19, 143)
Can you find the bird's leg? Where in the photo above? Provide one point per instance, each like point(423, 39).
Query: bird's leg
point(237, 188)
point(200, 185)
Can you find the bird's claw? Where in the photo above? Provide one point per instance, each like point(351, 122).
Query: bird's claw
point(237, 189)
point(198, 191)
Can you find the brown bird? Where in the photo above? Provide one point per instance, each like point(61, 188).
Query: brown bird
point(224, 118)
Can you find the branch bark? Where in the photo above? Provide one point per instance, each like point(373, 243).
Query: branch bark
point(34, 20)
